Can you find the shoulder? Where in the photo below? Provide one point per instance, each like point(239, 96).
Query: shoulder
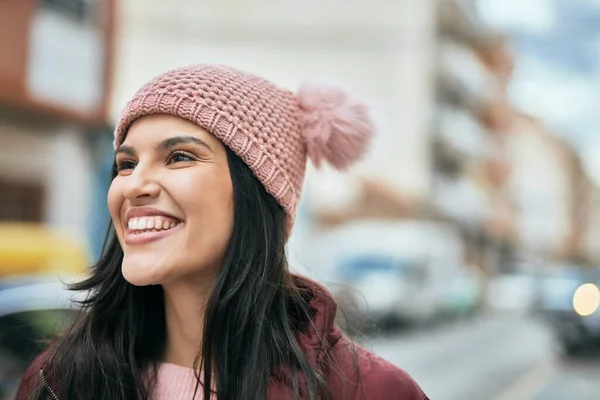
point(30, 378)
point(382, 379)
point(369, 376)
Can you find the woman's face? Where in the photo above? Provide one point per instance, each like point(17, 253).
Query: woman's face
point(172, 201)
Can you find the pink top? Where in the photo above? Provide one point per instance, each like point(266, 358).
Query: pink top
point(175, 382)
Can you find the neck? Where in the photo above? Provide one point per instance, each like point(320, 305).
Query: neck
point(184, 314)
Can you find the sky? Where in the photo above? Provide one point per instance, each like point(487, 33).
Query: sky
point(557, 69)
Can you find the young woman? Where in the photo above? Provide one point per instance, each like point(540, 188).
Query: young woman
point(192, 297)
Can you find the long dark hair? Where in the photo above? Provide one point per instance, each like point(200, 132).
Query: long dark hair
point(251, 320)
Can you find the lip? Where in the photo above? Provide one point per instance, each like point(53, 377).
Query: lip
point(132, 238)
point(147, 212)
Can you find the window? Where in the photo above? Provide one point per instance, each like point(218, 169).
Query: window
point(20, 202)
point(78, 10)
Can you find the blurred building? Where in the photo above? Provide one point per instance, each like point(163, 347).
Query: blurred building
point(591, 243)
point(555, 199)
point(54, 71)
point(471, 166)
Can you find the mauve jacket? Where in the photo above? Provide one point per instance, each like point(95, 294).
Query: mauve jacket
point(357, 374)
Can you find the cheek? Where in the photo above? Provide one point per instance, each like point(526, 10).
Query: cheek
point(213, 207)
point(208, 206)
point(115, 200)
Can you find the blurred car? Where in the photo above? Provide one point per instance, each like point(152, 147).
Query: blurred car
point(570, 304)
point(464, 293)
point(513, 293)
point(35, 263)
point(32, 311)
point(380, 288)
point(393, 272)
point(36, 249)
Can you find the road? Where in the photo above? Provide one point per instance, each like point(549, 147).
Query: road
point(491, 358)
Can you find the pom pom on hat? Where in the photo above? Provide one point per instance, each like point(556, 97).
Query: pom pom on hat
point(337, 127)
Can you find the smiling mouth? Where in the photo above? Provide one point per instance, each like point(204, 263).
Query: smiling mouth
point(140, 233)
point(151, 224)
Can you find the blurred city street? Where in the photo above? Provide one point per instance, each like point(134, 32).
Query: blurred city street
point(473, 221)
point(494, 357)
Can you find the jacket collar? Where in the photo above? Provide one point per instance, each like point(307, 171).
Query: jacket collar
point(322, 333)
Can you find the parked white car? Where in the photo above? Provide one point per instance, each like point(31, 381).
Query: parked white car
point(399, 270)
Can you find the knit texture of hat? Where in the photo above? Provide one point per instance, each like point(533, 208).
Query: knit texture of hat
point(271, 129)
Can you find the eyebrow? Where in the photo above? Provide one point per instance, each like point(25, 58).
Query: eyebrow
point(175, 140)
point(127, 150)
point(166, 144)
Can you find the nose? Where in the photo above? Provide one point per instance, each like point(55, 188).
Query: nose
point(140, 185)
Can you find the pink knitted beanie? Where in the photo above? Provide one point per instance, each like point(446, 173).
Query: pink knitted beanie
point(271, 129)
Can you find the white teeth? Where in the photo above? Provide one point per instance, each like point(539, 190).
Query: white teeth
point(154, 223)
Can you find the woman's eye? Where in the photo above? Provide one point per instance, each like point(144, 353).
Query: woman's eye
point(180, 157)
point(125, 165)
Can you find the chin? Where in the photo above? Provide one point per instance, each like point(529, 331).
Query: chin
point(143, 271)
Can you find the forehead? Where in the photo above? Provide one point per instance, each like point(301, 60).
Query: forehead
point(152, 129)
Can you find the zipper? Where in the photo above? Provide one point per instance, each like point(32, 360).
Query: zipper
point(47, 386)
